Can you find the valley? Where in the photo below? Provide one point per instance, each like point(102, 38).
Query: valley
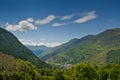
point(59, 39)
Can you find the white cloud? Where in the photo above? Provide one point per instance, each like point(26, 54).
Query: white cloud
point(25, 41)
point(21, 26)
point(53, 44)
point(67, 17)
point(46, 20)
point(48, 44)
point(30, 19)
point(90, 16)
point(11, 27)
point(58, 24)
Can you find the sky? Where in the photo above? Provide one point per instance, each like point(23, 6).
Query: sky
point(54, 22)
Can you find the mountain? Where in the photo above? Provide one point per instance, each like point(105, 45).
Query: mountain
point(37, 50)
point(9, 44)
point(95, 49)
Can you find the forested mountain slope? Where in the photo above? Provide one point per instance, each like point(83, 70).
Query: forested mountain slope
point(9, 44)
point(93, 49)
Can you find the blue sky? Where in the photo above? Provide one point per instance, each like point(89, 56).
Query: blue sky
point(53, 22)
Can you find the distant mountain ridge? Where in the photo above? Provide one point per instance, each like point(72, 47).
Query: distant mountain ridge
point(9, 44)
point(89, 49)
point(37, 50)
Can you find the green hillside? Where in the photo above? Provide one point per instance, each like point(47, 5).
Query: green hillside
point(90, 49)
point(113, 56)
point(9, 44)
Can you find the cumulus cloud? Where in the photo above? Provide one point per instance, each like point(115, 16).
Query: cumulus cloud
point(48, 44)
point(90, 16)
point(21, 26)
point(46, 20)
point(58, 24)
point(67, 17)
point(30, 19)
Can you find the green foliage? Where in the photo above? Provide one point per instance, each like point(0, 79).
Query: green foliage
point(58, 74)
point(81, 72)
point(89, 72)
point(16, 69)
point(103, 74)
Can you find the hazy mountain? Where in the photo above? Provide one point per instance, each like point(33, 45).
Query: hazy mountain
point(37, 50)
point(9, 44)
point(95, 49)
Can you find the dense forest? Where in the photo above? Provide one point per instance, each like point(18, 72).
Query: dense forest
point(16, 69)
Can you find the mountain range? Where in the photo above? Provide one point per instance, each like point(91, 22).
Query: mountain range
point(9, 44)
point(100, 49)
point(37, 50)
